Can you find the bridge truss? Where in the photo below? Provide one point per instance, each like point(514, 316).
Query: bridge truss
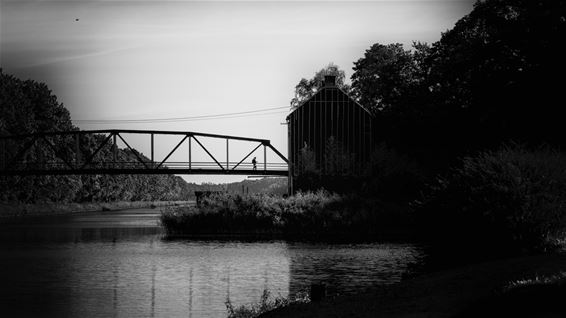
point(71, 152)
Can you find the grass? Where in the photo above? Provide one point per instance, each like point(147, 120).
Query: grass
point(557, 280)
point(474, 290)
point(304, 214)
point(539, 296)
point(267, 303)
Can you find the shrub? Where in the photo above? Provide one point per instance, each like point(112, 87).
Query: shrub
point(302, 214)
point(511, 198)
point(393, 176)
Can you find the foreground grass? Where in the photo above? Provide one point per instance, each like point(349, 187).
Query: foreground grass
point(539, 296)
point(267, 303)
point(488, 289)
point(320, 213)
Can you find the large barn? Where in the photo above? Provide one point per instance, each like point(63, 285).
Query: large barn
point(330, 135)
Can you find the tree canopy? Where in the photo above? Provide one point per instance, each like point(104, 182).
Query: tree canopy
point(306, 88)
point(495, 77)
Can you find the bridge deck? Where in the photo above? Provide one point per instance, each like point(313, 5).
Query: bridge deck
point(69, 157)
point(110, 171)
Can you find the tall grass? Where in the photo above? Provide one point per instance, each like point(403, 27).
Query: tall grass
point(266, 303)
point(541, 296)
point(511, 199)
point(303, 214)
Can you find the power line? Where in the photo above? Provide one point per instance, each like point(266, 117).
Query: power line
point(265, 111)
point(186, 120)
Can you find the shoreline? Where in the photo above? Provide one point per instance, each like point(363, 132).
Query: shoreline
point(17, 210)
point(445, 293)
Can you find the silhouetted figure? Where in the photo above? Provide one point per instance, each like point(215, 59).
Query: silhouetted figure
point(254, 162)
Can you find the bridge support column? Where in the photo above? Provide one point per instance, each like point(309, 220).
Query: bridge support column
point(190, 159)
point(114, 150)
point(264, 158)
point(152, 152)
point(227, 156)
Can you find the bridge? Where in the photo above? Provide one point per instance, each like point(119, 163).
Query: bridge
point(98, 152)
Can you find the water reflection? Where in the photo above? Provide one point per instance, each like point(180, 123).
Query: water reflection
point(101, 266)
point(347, 269)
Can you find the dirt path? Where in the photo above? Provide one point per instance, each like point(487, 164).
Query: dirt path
point(440, 294)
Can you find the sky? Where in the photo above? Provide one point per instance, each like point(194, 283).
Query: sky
point(110, 60)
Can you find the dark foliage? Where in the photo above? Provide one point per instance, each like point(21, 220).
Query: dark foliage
point(505, 201)
point(495, 77)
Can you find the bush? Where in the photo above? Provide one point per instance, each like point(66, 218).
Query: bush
point(303, 214)
point(511, 199)
point(393, 176)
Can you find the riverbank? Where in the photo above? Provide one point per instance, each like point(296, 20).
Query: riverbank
point(42, 209)
point(450, 293)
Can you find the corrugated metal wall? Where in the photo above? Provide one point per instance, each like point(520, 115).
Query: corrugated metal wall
point(330, 115)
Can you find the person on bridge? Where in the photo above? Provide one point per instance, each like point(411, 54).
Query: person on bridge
point(254, 162)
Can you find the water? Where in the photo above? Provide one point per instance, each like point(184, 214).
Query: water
point(117, 264)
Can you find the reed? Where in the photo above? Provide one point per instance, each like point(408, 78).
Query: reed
point(266, 303)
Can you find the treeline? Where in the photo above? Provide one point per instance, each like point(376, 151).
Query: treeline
point(495, 77)
point(28, 107)
point(271, 186)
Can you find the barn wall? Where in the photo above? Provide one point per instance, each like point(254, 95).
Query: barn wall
point(331, 113)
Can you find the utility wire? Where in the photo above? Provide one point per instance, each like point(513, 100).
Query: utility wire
point(265, 111)
point(185, 120)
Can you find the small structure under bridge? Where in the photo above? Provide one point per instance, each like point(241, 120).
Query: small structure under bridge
point(99, 152)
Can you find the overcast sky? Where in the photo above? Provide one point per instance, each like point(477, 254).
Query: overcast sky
point(138, 59)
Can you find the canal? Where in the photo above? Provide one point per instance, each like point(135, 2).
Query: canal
point(119, 264)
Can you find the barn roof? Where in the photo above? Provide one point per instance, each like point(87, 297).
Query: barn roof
point(329, 84)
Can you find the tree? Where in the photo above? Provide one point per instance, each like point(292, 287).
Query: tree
point(502, 68)
point(388, 75)
point(306, 89)
point(493, 78)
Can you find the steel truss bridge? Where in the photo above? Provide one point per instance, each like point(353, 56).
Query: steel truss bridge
point(68, 154)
